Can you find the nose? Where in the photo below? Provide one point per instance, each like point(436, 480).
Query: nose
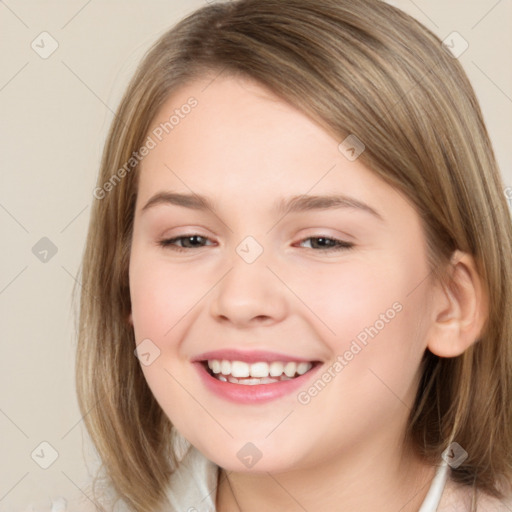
point(249, 295)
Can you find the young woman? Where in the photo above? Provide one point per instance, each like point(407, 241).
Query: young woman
point(297, 286)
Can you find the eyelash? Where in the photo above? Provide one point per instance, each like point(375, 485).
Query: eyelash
point(340, 245)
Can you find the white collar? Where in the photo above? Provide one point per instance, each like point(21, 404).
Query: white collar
point(433, 497)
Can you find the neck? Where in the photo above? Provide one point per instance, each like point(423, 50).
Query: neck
point(366, 480)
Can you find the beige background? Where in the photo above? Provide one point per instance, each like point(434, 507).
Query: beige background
point(55, 115)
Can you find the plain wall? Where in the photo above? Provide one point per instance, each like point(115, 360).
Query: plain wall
point(55, 116)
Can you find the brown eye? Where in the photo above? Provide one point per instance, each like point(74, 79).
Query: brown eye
point(324, 243)
point(186, 242)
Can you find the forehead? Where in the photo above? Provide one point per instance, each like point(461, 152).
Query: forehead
point(237, 118)
point(234, 139)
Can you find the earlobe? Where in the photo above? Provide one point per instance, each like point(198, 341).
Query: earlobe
point(459, 309)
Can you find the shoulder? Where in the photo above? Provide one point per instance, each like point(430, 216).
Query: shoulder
point(459, 498)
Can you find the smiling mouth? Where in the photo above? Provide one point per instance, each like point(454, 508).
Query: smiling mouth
point(261, 372)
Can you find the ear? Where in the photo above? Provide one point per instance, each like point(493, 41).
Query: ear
point(459, 308)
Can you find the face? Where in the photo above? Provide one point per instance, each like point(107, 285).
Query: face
point(335, 286)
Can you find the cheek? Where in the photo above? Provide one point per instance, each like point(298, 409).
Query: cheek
point(373, 377)
point(350, 296)
point(161, 295)
point(372, 316)
point(162, 299)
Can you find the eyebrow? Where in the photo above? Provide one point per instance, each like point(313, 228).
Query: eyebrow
point(292, 204)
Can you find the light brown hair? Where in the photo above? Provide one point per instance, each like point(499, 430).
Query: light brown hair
point(355, 67)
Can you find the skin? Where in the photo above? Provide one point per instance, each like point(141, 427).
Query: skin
point(244, 148)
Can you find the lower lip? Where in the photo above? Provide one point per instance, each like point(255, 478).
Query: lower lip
point(252, 394)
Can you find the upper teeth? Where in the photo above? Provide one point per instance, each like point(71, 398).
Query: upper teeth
point(259, 369)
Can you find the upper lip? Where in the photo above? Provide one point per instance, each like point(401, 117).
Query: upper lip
point(252, 356)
